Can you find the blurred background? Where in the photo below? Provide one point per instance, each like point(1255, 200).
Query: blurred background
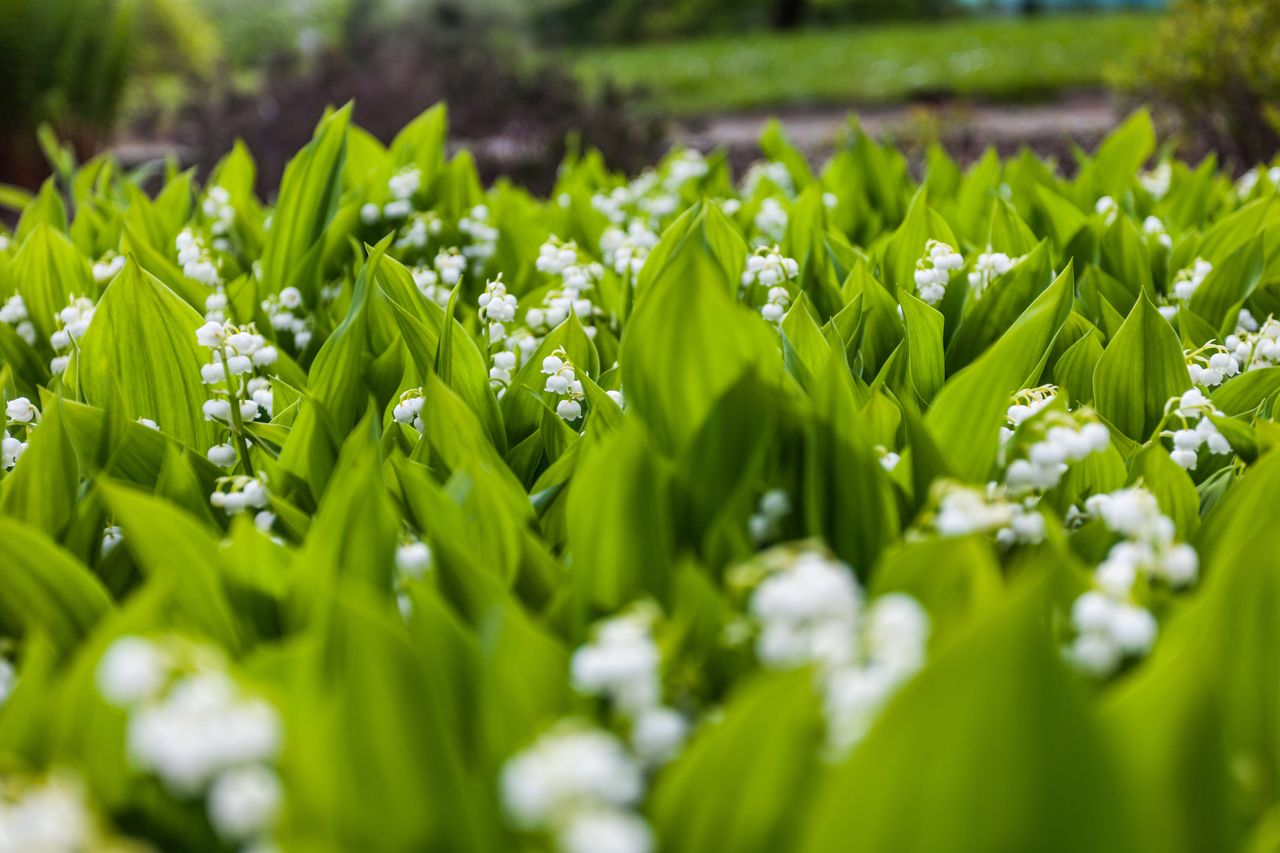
point(527, 79)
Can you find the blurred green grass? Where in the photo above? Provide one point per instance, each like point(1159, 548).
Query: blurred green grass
point(997, 58)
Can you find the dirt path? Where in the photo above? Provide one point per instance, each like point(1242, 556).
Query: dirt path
point(966, 128)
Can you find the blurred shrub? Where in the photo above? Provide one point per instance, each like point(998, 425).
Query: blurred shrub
point(68, 62)
point(1216, 65)
point(515, 117)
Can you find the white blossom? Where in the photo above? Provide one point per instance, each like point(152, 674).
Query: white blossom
point(413, 559)
point(49, 817)
point(243, 801)
point(621, 664)
point(812, 611)
point(408, 410)
point(566, 771)
point(20, 410)
point(934, 269)
point(1188, 280)
point(987, 268)
point(133, 669)
point(237, 494)
point(106, 267)
point(405, 182)
point(605, 830)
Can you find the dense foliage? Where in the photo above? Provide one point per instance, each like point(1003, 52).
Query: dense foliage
point(1216, 64)
point(813, 511)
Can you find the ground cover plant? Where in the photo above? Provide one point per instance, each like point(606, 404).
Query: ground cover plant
point(992, 58)
point(813, 510)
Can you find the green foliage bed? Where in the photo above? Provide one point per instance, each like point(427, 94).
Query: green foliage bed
point(813, 511)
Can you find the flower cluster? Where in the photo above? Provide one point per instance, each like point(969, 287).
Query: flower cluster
point(221, 214)
point(1249, 180)
point(21, 415)
point(562, 380)
point(1154, 228)
point(107, 267)
point(237, 494)
point(1156, 181)
point(285, 311)
point(1048, 443)
point(621, 664)
point(764, 523)
point(427, 280)
point(1252, 347)
point(72, 321)
point(1210, 365)
point(810, 610)
point(49, 815)
point(196, 260)
point(772, 171)
point(237, 395)
point(770, 270)
point(989, 266)
point(770, 221)
point(934, 269)
point(417, 232)
point(497, 308)
point(436, 282)
point(1188, 280)
point(408, 410)
point(962, 510)
point(197, 731)
point(888, 459)
point(625, 251)
point(581, 785)
point(14, 313)
point(1110, 625)
point(1195, 412)
point(1107, 208)
point(578, 274)
point(1026, 403)
point(402, 186)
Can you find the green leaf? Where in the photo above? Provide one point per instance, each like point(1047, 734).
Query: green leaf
point(46, 589)
point(181, 556)
point(142, 341)
point(620, 539)
point(779, 716)
point(50, 273)
point(688, 340)
point(1244, 393)
point(308, 199)
point(1140, 371)
point(924, 346)
point(967, 414)
point(43, 488)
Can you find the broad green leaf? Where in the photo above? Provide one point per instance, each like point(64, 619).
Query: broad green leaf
point(967, 414)
point(46, 589)
point(142, 341)
point(1140, 371)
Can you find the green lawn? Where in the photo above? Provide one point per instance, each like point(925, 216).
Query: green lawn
point(996, 58)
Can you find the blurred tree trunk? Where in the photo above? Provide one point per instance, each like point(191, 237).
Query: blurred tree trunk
point(787, 14)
